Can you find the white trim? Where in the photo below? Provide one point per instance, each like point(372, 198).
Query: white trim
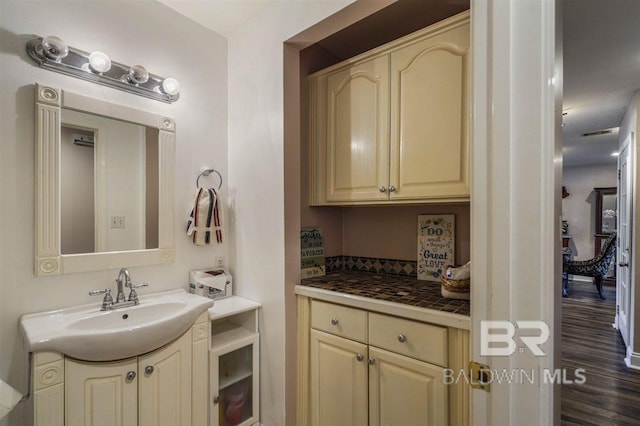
point(515, 202)
point(48, 258)
point(632, 360)
point(580, 279)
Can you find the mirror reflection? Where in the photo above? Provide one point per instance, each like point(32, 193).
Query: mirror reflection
point(609, 206)
point(108, 184)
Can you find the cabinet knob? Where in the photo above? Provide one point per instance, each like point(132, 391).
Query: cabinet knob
point(382, 189)
point(131, 375)
point(216, 399)
point(392, 188)
point(372, 361)
point(402, 338)
point(334, 321)
point(148, 369)
point(360, 357)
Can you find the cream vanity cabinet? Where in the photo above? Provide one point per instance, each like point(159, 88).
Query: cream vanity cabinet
point(368, 368)
point(234, 359)
point(165, 387)
point(392, 124)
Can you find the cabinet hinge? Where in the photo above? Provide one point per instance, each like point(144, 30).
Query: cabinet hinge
point(480, 376)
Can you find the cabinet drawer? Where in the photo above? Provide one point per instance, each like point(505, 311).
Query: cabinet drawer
point(339, 320)
point(411, 338)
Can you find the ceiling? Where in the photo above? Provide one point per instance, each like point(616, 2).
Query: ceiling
point(601, 72)
point(601, 56)
point(221, 16)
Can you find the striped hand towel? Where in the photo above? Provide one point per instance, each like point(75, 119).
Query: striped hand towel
point(205, 218)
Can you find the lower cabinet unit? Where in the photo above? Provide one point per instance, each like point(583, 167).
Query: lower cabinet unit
point(368, 368)
point(405, 391)
point(101, 393)
point(234, 359)
point(160, 388)
point(338, 380)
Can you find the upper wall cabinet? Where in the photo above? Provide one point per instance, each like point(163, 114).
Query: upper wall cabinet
point(391, 125)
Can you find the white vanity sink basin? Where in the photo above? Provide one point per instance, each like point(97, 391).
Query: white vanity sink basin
point(87, 333)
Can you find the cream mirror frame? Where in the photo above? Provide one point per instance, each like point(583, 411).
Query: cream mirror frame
point(48, 257)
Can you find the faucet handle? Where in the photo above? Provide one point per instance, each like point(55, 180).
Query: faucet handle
point(133, 295)
point(107, 302)
point(140, 285)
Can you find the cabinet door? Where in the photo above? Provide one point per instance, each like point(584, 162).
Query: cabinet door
point(165, 384)
point(338, 381)
point(101, 393)
point(404, 391)
point(356, 113)
point(234, 374)
point(429, 116)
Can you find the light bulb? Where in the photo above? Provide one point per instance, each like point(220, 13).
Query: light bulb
point(170, 86)
point(138, 74)
point(99, 62)
point(54, 48)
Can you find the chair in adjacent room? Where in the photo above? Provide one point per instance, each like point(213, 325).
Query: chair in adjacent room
point(596, 267)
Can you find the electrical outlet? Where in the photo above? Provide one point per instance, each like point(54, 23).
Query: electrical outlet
point(117, 222)
point(219, 262)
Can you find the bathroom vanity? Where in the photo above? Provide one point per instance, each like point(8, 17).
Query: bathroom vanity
point(362, 338)
point(138, 365)
point(94, 367)
point(163, 387)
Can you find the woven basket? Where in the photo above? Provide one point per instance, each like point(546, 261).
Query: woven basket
point(456, 286)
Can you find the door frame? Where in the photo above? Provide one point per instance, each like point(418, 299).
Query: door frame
point(516, 181)
point(625, 329)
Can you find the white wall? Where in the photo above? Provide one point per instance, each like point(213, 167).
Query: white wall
point(131, 32)
point(578, 209)
point(256, 184)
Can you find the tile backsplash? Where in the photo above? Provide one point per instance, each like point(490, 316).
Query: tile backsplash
point(405, 268)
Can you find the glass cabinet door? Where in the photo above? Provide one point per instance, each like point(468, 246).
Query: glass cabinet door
point(234, 378)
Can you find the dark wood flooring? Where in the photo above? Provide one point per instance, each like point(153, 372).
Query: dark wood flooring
point(611, 393)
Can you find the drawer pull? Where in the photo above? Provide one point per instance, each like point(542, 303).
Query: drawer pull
point(402, 338)
point(372, 361)
point(334, 321)
point(360, 357)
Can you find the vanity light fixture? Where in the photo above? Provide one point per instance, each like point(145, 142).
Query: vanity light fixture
point(52, 53)
point(99, 62)
point(170, 86)
point(54, 48)
point(138, 75)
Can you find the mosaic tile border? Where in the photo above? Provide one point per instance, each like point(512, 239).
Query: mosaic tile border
point(405, 268)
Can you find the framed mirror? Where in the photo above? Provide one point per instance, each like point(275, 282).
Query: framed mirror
point(104, 184)
point(606, 209)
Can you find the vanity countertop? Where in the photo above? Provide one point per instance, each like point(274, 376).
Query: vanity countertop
point(396, 295)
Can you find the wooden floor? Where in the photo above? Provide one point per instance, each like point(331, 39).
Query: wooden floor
point(611, 393)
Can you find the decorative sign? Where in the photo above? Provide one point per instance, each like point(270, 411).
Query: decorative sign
point(436, 245)
point(312, 253)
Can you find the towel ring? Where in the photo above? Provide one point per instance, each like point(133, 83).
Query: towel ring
point(206, 171)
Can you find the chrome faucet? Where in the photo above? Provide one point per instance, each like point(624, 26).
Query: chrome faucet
point(123, 280)
point(124, 273)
